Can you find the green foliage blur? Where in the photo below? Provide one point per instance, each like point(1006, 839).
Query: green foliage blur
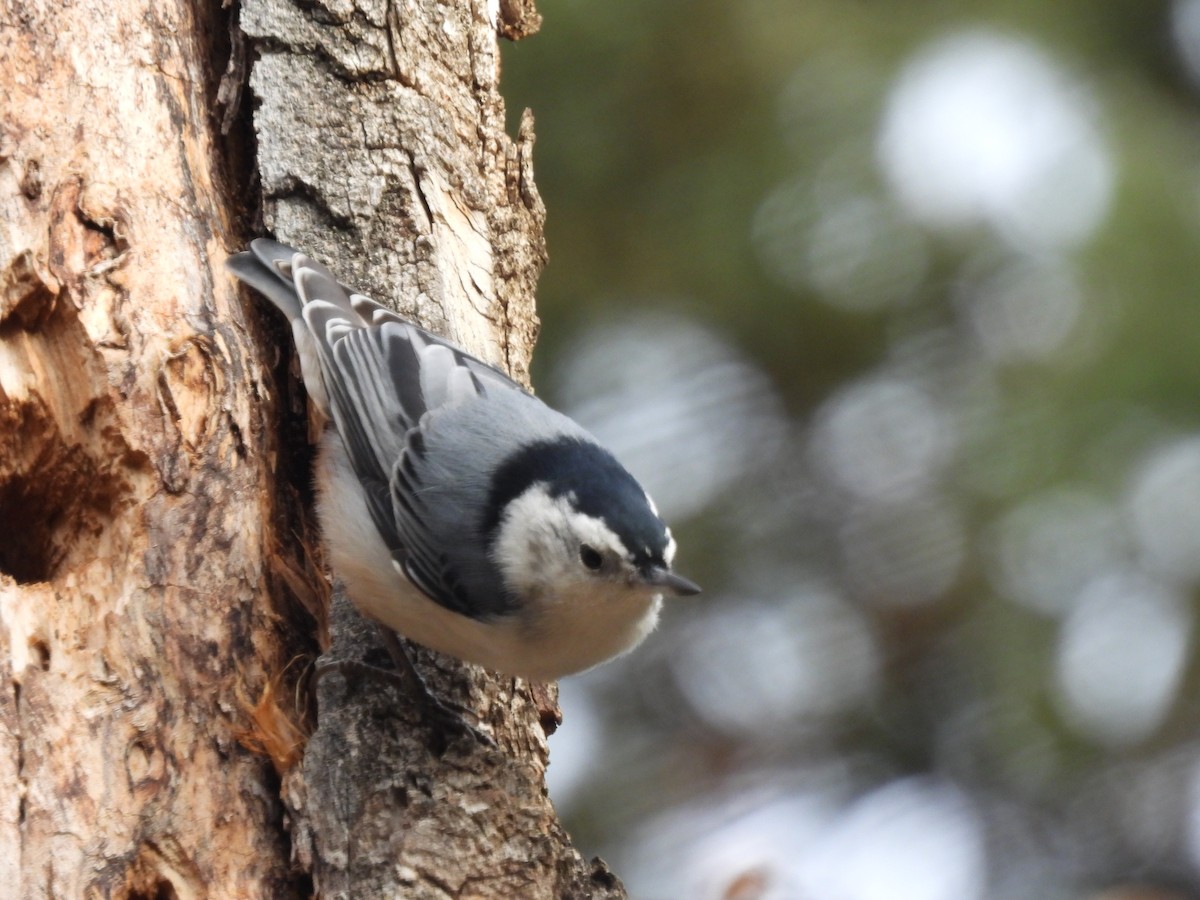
point(659, 131)
point(663, 130)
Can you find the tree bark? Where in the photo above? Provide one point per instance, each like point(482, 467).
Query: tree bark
point(136, 498)
point(382, 150)
point(156, 554)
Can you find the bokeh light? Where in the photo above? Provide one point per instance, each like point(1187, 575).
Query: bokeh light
point(1185, 28)
point(1047, 548)
point(1026, 311)
point(799, 658)
point(903, 554)
point(985, 128)
point(1121, 656)
point(1164, 505)
point(853, 248)
point(894, 310)
point(912, 839)
point(883, 439)
point(653, 381)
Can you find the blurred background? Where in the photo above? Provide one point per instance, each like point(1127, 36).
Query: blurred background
point(895, 309)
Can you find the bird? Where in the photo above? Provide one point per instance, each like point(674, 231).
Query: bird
point(458, 509)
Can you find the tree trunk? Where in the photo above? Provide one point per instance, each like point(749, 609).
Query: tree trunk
point(156, 558)
point(136, 503)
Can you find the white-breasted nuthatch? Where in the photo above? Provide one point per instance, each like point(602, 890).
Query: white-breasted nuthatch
point(458, 509)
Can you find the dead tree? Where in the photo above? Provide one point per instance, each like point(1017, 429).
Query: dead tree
point(156, 558)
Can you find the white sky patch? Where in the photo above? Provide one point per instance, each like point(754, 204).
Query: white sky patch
point(714, 848)
point(912, 839)
point(986, 129)
point(576, 744)
point(803, 837)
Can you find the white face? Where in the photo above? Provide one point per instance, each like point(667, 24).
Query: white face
point(582, 598)
point(545, 545)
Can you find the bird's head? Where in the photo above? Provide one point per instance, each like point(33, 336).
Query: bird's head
point(570, 519)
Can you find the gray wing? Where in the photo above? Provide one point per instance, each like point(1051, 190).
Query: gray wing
point(383, 381)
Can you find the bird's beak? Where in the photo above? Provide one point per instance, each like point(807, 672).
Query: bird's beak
point(669, 581)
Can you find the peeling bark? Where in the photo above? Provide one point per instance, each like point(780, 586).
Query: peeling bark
point(135, 497)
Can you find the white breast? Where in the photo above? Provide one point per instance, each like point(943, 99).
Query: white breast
point(570, 633)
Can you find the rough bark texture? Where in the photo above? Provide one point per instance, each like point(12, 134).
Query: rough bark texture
point(382, 151)
point(144, 500)
point(136, 500)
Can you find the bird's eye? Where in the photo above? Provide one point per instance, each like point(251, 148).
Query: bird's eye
point(590, 557)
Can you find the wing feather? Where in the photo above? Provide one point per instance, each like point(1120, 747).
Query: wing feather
point(380, 379)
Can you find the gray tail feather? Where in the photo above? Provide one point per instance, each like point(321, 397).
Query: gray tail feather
point(291, 279)
point(267, 267)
